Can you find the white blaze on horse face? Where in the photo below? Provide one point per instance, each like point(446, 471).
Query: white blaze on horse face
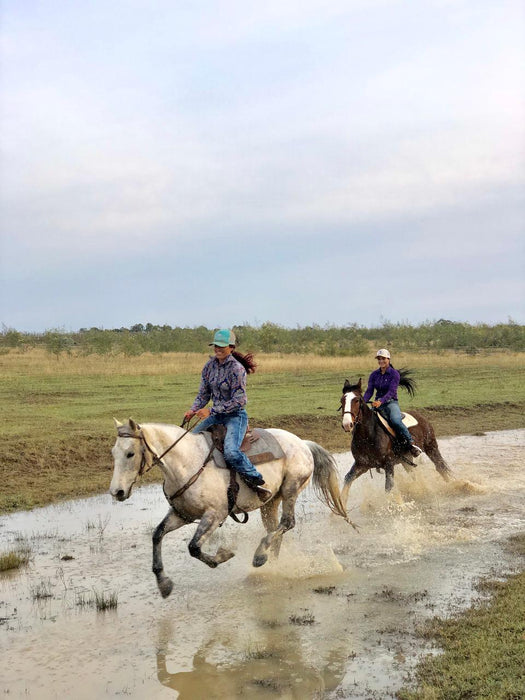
point(127, 457)
point(348, 422)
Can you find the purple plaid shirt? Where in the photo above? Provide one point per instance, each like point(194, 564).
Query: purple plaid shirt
point(385, 385)
point(224, 384)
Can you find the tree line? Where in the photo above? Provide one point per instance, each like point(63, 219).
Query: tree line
point(349, 340)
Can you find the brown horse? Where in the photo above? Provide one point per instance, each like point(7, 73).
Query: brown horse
point(372, 446)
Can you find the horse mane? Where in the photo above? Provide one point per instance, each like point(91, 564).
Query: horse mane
point(407, 380)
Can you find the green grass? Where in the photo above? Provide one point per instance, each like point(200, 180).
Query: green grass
point(13, 560)
point(58, 430)
point(483, 648)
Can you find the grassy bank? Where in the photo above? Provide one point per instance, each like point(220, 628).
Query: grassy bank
point(56, 414)
point(483, 649)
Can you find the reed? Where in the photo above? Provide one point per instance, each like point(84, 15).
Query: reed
point(13, 560)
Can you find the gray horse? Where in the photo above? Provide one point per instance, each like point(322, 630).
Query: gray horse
point(196, 488)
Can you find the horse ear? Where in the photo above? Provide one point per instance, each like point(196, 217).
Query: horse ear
point(359, 384)
point(134, 426)
point(118, 424)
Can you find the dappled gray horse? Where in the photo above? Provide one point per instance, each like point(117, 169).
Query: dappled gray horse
point(196, 488)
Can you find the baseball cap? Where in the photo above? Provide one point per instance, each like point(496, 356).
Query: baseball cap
point(223, 338)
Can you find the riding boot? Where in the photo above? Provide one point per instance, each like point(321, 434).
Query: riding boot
point(256, 484)
point(414, 450)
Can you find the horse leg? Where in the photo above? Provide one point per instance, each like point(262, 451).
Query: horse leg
point(389, 477)
point(171, 522)
point(432, 450)
point(270, 519)
point(209, 522)
point(273, 539)
point(355, 472)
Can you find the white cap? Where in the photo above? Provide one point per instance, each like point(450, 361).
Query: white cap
point(383, 353)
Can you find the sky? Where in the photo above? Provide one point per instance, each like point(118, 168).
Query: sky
point(224, 163)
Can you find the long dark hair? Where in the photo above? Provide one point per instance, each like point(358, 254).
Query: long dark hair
point(247, 361)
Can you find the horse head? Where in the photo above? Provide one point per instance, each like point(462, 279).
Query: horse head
point(129, 456)
point(351, 404)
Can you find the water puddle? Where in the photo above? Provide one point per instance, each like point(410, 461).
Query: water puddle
point(333, 618)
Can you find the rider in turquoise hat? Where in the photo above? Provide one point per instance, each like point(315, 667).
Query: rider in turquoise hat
point(223, 382)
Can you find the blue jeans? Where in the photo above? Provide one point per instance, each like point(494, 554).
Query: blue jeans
point(236, 424)
point(392, 413)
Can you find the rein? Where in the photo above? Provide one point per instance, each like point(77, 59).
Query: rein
point(158, 459)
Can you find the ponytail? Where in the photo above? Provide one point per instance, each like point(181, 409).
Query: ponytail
point(247, 361)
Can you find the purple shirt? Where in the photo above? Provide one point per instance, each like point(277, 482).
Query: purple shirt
point(224, 384)
point(385, 385)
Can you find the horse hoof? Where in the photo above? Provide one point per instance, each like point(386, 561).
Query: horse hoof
point(165, 587)
point(223, 555)
point(260, 559)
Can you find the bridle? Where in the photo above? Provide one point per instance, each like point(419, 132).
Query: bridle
point(354, 416)
point(157, 459)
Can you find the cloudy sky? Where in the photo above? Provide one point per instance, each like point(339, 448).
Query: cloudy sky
point(294, 161)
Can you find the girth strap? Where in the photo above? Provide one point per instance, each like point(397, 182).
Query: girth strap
point(233, 490)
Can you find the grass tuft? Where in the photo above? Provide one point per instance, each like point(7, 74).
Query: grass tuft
point(105, 601)
point(13, 560)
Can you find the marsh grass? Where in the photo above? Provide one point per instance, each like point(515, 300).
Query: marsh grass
point(483, 648)
point(483, 651)
point(41, 590)
point(105, 601)
point(305, 619)
point(13, 560)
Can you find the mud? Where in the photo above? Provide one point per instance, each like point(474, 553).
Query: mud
point(335, 617)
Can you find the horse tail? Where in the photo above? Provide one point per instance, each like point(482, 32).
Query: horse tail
point(407, 380)
point(325, 480)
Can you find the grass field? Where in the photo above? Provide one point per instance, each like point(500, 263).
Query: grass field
point(57, 413)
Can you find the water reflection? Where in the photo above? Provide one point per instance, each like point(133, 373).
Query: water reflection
point(271, 654)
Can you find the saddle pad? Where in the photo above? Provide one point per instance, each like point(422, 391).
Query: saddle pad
point(408, 420)
point(262, 447)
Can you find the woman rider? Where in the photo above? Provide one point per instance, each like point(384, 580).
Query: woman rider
point(385, 381)
point(224, 382)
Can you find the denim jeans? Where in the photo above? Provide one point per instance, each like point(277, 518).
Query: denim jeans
point(236, 424)
point(392, 413)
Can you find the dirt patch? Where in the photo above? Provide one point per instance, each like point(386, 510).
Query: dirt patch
point(447, 421)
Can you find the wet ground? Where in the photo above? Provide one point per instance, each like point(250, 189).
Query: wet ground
point(333, 618)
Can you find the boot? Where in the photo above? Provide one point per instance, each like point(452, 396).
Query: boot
point(256, 484)
point(415, 451)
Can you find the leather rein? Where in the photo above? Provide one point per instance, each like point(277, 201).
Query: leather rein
point(157, 459)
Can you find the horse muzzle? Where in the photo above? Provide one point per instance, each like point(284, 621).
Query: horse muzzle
point(120, 494)
point(347, 424)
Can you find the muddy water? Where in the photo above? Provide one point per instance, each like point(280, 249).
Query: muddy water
point(333, 618)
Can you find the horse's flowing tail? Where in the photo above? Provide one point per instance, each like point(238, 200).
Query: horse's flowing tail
point(325, 480)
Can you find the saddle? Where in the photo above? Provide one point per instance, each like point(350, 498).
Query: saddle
point(258, 444)
point(408, 420)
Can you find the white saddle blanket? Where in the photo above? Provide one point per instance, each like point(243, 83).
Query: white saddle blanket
point(408, 420)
